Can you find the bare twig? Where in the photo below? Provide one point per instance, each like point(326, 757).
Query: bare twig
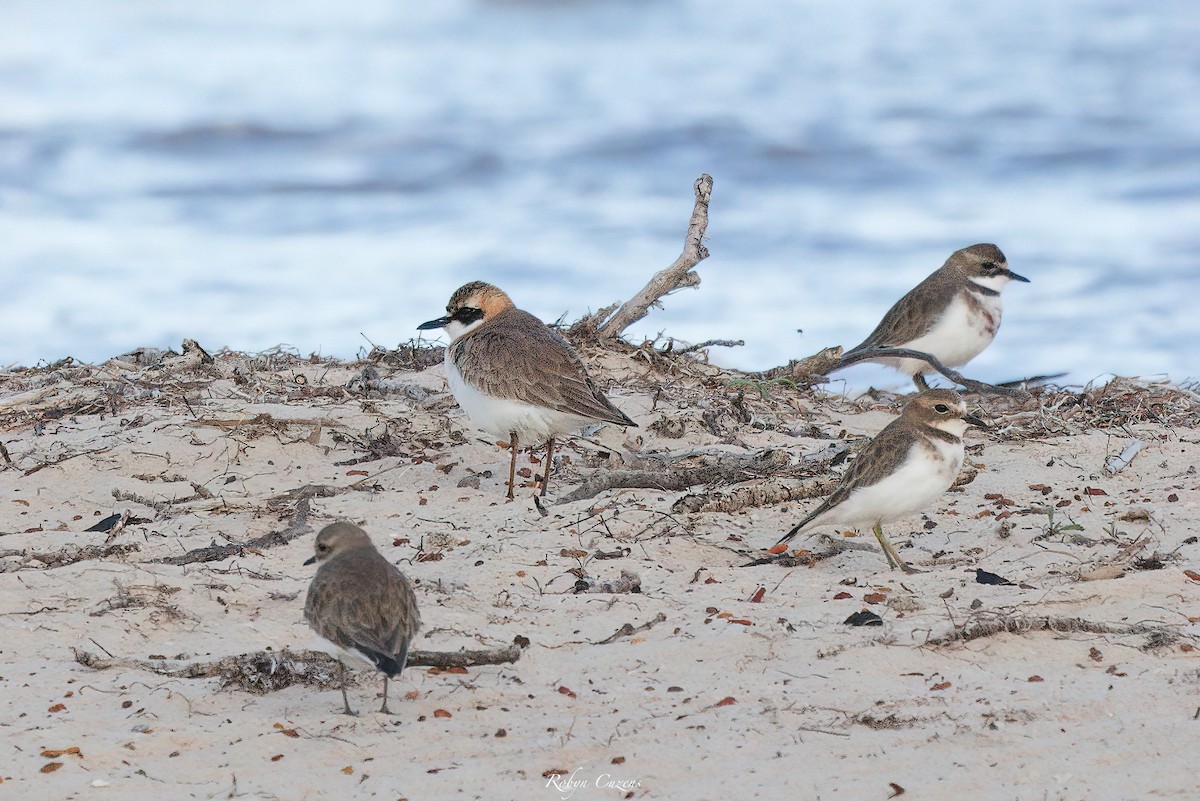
point(906, 353)
point(713, 343)
point(213, 553)
point(677, 276)
point(628, 630)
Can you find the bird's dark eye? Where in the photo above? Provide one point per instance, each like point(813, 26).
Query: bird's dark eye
point(941, 408)
point(322, 547)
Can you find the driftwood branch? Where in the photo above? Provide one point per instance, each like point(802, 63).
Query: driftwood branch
point(678, 276)
point(1020, 624)
point(811, 369)
point(267, 671)
point(214, 553)
point(905, 353)
point(763, 493)
point(725, 469)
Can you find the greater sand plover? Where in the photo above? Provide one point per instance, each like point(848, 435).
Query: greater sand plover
point(515, 376)
point(952, 315)
point(361, 603)
point(906, 467)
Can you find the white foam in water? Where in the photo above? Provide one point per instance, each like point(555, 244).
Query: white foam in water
point(273, 173)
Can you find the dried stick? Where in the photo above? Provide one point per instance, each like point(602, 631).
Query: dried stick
point(725, 469)
point(265, 671)
point(1019, 624)
point(906, 353)
point(818, 365)
point(763, 493)
point(677, 276)
point(214, 553)
point(628, 630)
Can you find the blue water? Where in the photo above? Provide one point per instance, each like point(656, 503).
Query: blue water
point(254, 174)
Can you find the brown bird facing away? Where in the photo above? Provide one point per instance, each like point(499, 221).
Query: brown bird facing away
point(361, 603)
point(952, 315)
point(908, 466)
point(515, 376)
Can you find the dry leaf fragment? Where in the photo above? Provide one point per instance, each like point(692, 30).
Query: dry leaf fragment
point(546, 774)
point(349, 769)
point(50, 767)
point(757, 597)
point(54, 753)
point(778, 548)
point(441, 713)
point(726, 701)
point(567, 691)
point(286, 732)
point(741, 621)
point(358, 472)
point(874, 597)
point(57, 708)
point(1192, 574)
point(941, 685)
point(618, 760)
point(1035, 678)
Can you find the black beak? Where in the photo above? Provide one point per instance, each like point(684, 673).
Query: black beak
point(1013, 276)
point(975, 421)
point(311, 560)
point(442, 322)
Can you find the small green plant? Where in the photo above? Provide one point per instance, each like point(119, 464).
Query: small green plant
point(1053, 529)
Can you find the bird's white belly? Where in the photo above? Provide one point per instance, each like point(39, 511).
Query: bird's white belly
point(920, 481)
point(958, 336)
point(502, 416)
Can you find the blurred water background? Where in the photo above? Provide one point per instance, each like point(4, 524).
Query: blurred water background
point(324, 175)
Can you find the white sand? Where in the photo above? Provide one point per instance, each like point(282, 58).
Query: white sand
point(819, 710)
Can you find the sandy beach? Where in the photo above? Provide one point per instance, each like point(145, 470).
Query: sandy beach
point(167, 656)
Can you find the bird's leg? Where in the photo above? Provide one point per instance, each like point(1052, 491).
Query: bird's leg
point(345, 700)
point(894, 560)
point(512, 465)
point(546, 473)
point(384, 709)
point(919, 380)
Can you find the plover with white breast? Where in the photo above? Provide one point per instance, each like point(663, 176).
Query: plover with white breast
point(906, 467)
point(515, 376)
point(361, 603)
point(952, 315)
